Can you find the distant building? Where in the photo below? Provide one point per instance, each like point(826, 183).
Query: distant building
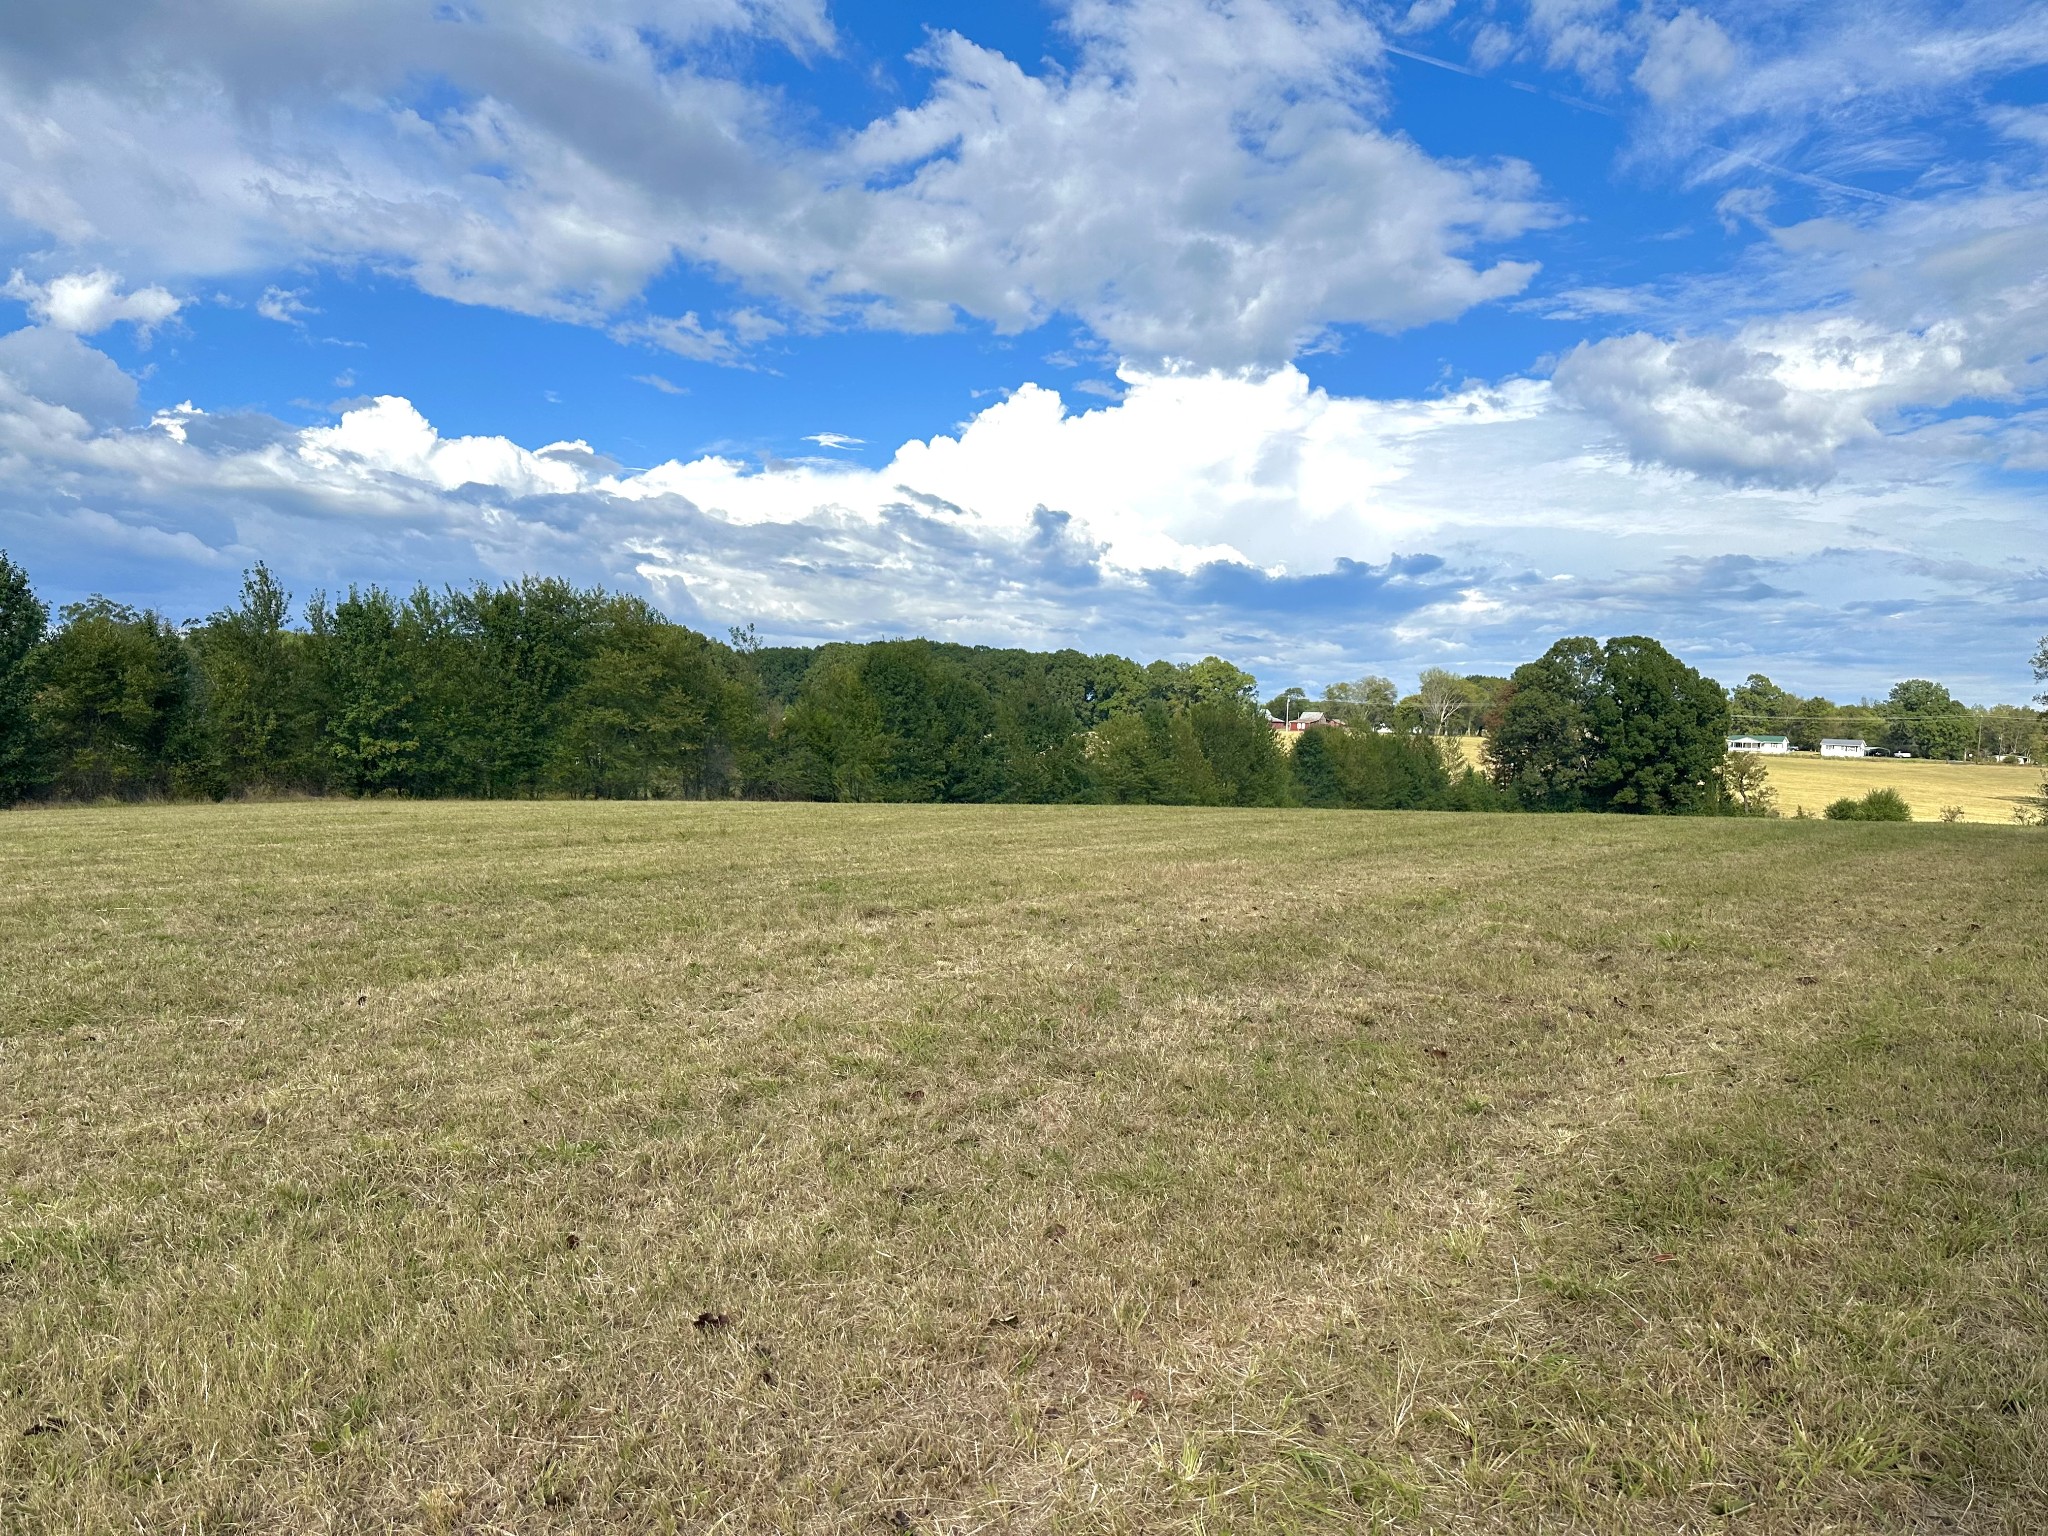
point(1768, 746)
point(1302, 722)
point(1842, 746)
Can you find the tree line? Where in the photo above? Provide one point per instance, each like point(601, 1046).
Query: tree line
point(1917, 716)
point(541, 688)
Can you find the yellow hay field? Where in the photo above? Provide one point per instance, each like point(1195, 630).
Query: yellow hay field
point(1986, 792)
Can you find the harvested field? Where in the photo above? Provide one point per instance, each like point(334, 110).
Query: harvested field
point(524, 1167)
point(1984, 792)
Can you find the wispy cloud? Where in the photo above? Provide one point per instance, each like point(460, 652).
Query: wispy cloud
point(287, 306)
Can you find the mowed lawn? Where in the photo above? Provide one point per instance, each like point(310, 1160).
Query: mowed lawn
point(835, 1168)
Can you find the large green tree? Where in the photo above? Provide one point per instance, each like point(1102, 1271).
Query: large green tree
point(110, 690)
point(1540, 744)
point(656, 713)
point(1923, 718)
point(372, 729)
point(23, 619)
point(525, 651)
point(254, 713)
point(1625, 727)
point(1662, 729)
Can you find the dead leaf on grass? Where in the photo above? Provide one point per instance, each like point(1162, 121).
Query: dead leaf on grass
point(708, 1321)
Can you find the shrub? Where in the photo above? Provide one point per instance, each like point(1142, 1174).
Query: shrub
point(1878, 805)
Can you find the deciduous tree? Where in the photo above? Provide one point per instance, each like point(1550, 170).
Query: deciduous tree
point(110, 692)
point(1926, 720)
point(1369, 701)
point(23, 619)
point(1625, 726)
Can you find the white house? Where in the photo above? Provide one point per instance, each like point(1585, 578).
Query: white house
point(1769, 746)
point(1842, 746)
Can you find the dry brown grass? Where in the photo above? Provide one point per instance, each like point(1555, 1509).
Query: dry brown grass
point(750, 1168)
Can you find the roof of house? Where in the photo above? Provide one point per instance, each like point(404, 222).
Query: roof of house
point(1751, 736)
point(1841, 741)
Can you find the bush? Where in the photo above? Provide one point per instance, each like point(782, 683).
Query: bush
point(1364, 771)
point(1878, 805)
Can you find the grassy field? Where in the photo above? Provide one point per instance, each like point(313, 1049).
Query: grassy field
point(797, 1168)
point(1983, 791)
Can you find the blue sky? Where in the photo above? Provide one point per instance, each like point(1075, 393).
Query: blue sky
point(1328, 336)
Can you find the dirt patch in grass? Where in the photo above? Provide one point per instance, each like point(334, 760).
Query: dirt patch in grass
point(513, 1167)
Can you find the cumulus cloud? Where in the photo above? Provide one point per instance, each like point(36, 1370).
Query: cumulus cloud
point(1713, 406)
point(86, 303)
point(1208, 184)
point(1209, 181)
point(1919, 308)
point(1303, 532)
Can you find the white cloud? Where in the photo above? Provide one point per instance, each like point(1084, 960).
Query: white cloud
point(655, 381)
point(1209, 184)
point(1716, 407)
point(86, 303)
point(53, 366)
point(1839, 58)
point(1743, 205)
point(1685, 55)
point(287, 306)
point(1209, 181)
point(1256, 515)
point(1878, 323)
point(835, 440)
point(390, 439)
